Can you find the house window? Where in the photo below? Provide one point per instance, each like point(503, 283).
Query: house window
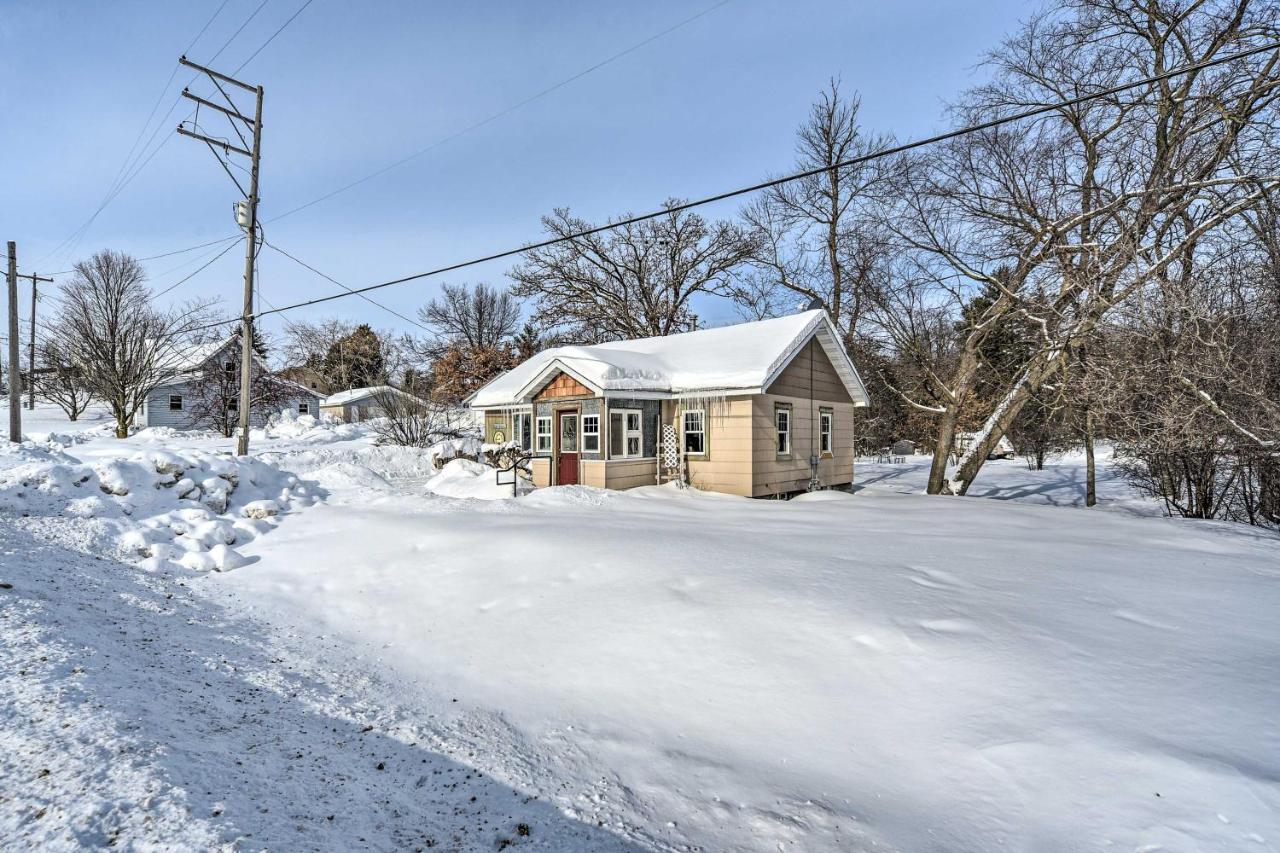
point(524, 429)
point(695, 432)
point(229, 368)
point(568, 433)
point(626, 433)
point(826, 418)
point(175, 402)
point(544, 435)
point(782, 420)
point(590, 433)
point(304, 408)
point(233, 404)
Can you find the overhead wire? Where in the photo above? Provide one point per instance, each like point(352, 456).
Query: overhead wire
point(503, 112)
point(475, 126)
point(774, 182)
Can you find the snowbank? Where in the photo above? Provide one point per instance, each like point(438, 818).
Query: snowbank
point(882, 671)
point(463, 478)
point(188, 508)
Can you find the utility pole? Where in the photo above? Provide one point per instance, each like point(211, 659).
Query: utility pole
point(246, 216)
point(31, 347)
point(15, 383)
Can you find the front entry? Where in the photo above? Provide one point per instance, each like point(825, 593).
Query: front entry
point(567, 450)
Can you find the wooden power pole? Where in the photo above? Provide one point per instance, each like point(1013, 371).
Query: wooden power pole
point(246, 216)
point(15, 381)
point(31, 344)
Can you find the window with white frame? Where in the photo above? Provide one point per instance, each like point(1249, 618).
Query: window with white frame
point(590, 433)
point(626, 433)
point(826, 419)
point(782, 420)
point(304, 408)
point(544, 435)
point(175, 402)
point(695, 432)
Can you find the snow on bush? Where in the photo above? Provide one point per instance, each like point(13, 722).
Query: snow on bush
point(466, 448)
point(188, 508)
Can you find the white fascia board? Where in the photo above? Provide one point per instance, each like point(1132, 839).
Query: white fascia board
point(526, 393)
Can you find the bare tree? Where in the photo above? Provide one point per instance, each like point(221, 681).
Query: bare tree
point(60, 381)
point(814, 238)
point(475, 317)
point(1084, 207)
point(410, 421)
point(109, 330)
point(214, 389)
point(634, 281)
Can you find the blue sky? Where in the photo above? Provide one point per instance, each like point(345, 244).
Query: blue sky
point(351, 87)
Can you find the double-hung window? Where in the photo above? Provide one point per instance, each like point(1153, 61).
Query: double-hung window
point(782, 422)
point(304, 408)
point(544, 435)
point(827, 418)
point(590, 433)
point(175, 402)
point(695, 432)
point(626, 433)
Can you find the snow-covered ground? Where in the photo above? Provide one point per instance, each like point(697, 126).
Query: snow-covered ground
point(651, 670)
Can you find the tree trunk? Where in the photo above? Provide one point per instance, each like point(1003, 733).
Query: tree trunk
point(1041, 367)
point(1090, 471)
point(942, 451)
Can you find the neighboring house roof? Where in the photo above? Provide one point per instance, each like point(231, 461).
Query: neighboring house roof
point(355, 395)
point(745, 358)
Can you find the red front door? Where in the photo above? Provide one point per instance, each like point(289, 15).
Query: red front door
point(567, 448)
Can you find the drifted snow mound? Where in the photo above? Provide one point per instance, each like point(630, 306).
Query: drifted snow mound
point(463, 478)
point(823, 496)
point(307, 429)
point(187, 508)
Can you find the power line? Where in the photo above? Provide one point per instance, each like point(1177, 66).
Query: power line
point(853, 161)
point(136, 167)
point(477, 125)
point(368, 299)
point(199, 270)
point(272, 37)
point(507, 111)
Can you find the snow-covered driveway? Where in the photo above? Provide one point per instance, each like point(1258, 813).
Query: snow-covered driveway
point(140, 715)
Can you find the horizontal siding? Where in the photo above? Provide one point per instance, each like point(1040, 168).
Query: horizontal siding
point(774, 475)
point(726, 466)
point(822, 384)
point(157, 411)
point(629, 474)
point(540, 468)
point(593, 473)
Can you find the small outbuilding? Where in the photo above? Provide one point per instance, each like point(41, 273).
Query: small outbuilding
point(758, 409)
point(360, 404)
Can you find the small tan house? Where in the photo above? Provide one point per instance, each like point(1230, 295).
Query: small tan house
point(757, 409)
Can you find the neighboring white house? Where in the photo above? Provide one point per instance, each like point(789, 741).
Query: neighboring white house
point(360, 404)
point(171, 404)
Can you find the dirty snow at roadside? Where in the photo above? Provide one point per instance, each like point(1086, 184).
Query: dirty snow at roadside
point(651, 670)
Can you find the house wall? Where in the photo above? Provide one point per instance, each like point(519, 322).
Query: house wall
point(629, 473)
point(774, 474)
point(726, 466)
point(540, 471)
point(156, 411)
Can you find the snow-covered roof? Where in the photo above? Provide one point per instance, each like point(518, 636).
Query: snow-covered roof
point(352, 395)
point(745, 358)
